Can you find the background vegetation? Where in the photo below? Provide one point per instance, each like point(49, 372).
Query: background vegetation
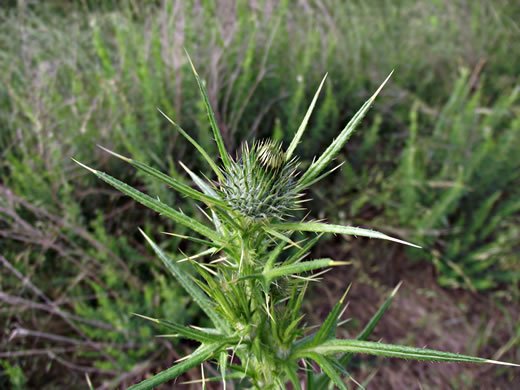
point(436, 162)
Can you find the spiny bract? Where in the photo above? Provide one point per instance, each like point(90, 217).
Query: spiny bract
point(261, 184)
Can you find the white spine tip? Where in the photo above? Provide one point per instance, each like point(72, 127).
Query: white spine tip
point(84, 166)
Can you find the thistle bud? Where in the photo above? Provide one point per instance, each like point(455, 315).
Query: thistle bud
point(261, 183)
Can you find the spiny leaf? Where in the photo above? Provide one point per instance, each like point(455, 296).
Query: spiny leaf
point(304, 250)
point(189, 333)
point(206, 252)
point(195, 239)
point(336, 229)
point(321, 381)
point(200, 149)
point(192, 289)
point(216, 132)
point(328, 328)
point(328, 369)
point(336, 145)
point(155, 204)
point(170, 181)
point(367, 331)
point(200, 355)
point(203, 185)
point(222, 362)
point(280, 236)
point(273, 256)
point(298, 268)
point(301, 129)
point(290, 370)
point(397, 351)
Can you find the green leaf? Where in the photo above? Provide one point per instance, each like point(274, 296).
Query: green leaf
point(336, 229)
point(170, 181)
point(297, 255)
point(298, 268)
point(198, 296)
point(336, 145)
point(156, 205)
point(328, 328)
point(200, 355)
point(209, 336)
point(233, 375)
point(303, 125)
point(290, 370)
point(397, 351)
point(280, 236)
point(328, 369)
point(216, 132)
point(322, 380)
point(296, 303)
point(369, 328)
point(273, 256)
point(195, 239)
point(208, 190)
point(203, 185)
point(222, 362)
point(310, 380)
point(201, 150)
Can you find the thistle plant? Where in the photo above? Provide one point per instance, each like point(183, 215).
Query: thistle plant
point(252, 271)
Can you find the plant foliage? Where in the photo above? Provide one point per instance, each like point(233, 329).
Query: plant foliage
point(253, 285)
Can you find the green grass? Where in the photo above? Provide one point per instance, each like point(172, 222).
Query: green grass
point(463, 181)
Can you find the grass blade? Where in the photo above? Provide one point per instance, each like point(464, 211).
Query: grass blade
point(369, 328)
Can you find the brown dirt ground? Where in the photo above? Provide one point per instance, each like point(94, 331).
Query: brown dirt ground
point(423, 315)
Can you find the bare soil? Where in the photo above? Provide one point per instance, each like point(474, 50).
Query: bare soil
point(422, 315)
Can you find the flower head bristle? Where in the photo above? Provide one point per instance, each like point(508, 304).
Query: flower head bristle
point(261, 183)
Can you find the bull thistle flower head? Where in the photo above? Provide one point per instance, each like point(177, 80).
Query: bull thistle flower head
point(261, 183)
point(252, 291)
